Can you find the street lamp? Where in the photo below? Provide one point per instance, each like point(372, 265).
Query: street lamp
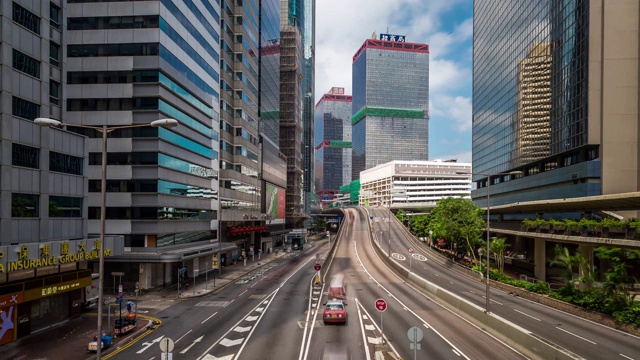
point(105, 130)
point(517, 172)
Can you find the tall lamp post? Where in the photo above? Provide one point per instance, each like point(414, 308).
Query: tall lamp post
point(105, 130)
point(489, 176)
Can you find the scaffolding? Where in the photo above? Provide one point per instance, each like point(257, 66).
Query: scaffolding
point(291, 120)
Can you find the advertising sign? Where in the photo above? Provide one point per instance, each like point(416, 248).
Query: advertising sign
point(392, 37)
point(275, 202)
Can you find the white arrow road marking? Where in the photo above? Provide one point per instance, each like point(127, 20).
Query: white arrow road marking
point(242, 329)
point(374, 340)
point(146, 345)
point(211, 357)
point(251, 318)
point(226, 342)
point(190, 346)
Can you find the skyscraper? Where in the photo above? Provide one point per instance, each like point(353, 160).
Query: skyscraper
point(132, 66)
point(390, 102)
point(333, 143)
point(557, 74)
point(308, 89)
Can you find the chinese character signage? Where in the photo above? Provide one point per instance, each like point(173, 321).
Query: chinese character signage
point(392, 37)
point(35, 255)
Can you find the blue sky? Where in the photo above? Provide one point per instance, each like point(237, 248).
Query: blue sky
point(446, 25)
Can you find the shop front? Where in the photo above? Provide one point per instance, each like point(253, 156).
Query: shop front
point(44, 284)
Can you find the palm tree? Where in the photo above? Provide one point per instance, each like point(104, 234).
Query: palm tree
point(498, 246)
point(564, 260)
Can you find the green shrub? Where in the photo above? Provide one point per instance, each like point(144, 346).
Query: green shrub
point(629, 316)
point(589, 223)
point(610, 223)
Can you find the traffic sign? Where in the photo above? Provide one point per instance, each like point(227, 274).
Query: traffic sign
point(381, 305)
point(410, 250)
point(167, 345)
point(415, 334)
point(317, 267)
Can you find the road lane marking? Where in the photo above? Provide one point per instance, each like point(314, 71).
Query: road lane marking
point(497, 302)
point(625, 356)
point(362, 326)
point(228, 342)
point(578, 336)
point(208, 317)
point(525, 314)
point(242, 329)
point(175, 342)
point(242, 293)
point(191, 345)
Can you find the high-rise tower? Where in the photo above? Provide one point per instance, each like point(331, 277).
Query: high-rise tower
point(134, 65)
point(333, 143)
point(555, 95)
point(390, 103)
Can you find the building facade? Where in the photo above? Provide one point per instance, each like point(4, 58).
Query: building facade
point(133, 64)
point(390, 103)
point(332, 166)
point(308, 107)
point(414, 184)
point(273, 162)
point(45, 251)
point(556, 97)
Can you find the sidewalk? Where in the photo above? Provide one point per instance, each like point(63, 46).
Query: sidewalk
point(70, 339)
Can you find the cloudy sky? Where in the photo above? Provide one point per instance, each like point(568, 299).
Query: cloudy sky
point(446, 25)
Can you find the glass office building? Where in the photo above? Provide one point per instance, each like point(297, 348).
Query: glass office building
point(552, 97)
point(333, 141)
point(390, 103)
point(133, 66)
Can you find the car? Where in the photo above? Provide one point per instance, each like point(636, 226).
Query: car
point(337, 288)
point(335, 312)
point(421, 239)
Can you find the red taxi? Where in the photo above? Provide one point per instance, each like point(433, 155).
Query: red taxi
point(335, 312)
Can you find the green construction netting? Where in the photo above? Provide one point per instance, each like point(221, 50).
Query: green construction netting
point(340, 144)
point(270, 114)
point(388, 112)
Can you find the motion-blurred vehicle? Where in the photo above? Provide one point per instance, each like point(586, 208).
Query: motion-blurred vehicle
point(337, 288)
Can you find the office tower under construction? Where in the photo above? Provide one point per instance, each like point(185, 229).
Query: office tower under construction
point(291, 120)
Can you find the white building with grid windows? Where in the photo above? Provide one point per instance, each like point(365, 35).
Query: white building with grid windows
point(414, 184)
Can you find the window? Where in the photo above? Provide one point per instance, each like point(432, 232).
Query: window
point(25, 109)
point(54, 54)
point(26, 18)
point(54, 15)
point(54, 92)
point(26, 156)
point(25, 205)
point(65, 206)
point(64, 163)
point(26, 64)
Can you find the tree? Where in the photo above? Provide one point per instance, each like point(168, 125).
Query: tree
point(401, 215)
point(321, 224)
point(498, 246)
point(618, 281)
point(565, 260)
point(459, 221)
point(419, 225)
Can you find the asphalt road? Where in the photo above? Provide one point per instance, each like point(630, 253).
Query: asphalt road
point(579, 336)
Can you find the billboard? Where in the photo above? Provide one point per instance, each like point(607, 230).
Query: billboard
point(275, 199)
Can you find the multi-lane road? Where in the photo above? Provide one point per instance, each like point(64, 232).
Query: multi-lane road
point(277, 312)
point(581, 337)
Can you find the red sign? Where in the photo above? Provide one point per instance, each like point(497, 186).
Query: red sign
point(317, 267)
point(410, 250)
point(381, 305)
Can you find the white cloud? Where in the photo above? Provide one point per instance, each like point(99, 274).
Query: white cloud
point(343, 26)
point(463, 157)
point(457, 110)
